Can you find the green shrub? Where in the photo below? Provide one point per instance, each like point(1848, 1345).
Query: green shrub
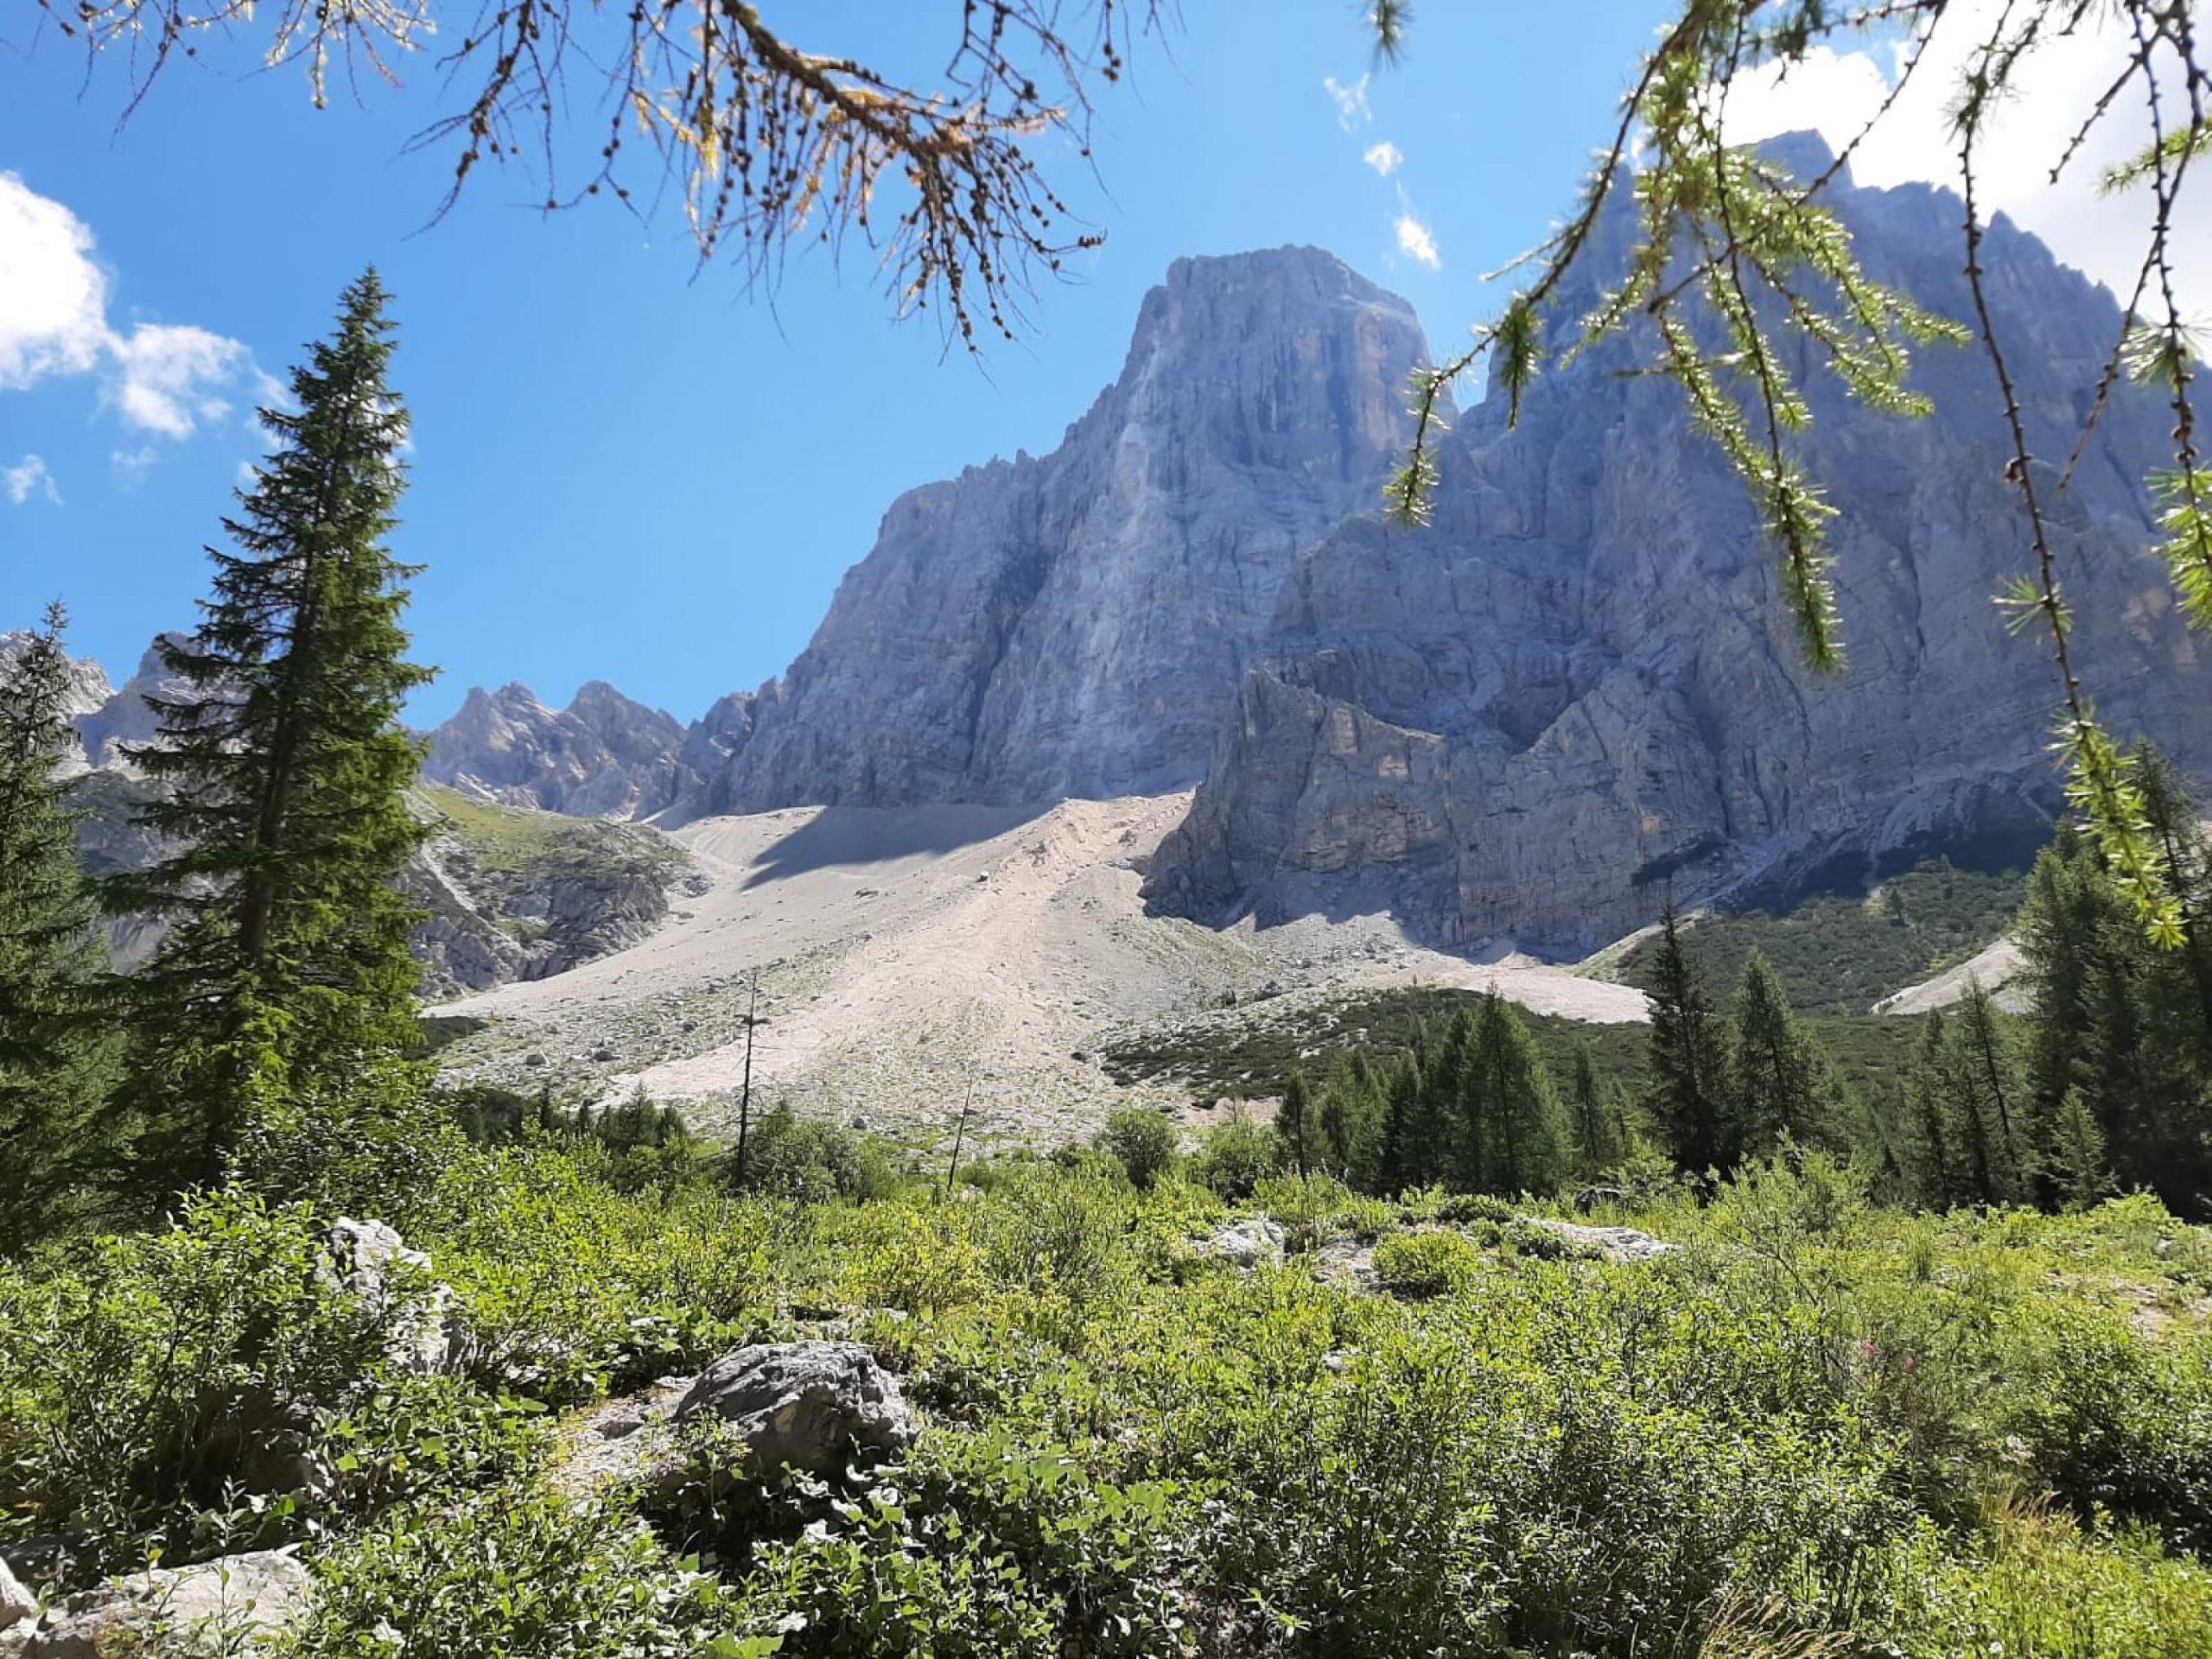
point(519, 1574)
point(1235, 1156)
point(140, 1376)
point(812, 1159)
point(1144, 1141)
point(1425, 1263)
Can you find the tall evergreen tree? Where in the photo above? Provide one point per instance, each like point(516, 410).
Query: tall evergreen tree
point(1297, 1124)
point(1989, 1126)
point(1597, 1118)
point(2075, 1158)
point(283, 763)
point(1931, 1161)
point(1515, 1133)
point(1687, 1090)
point(56, 1061)
point(1404, 1159)
point(1779, 1082)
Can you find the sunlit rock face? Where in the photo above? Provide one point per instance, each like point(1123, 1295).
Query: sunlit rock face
point(1580, 690)
point(1075, 625)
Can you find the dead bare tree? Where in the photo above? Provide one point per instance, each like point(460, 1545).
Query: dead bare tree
point(774, 147)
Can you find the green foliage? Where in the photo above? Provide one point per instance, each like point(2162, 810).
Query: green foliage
point(283, 767)
point(145, 1378)
point(2118, 1020)
point(812, 1159)
point(521, 1574)
point(1419, 1264)
point(1780, 1086)
point(567, 1286)
point(1144, 1141)
point(57, 1057)
point(1235, 1155)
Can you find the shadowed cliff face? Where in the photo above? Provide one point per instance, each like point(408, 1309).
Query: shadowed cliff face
point(1579, 687)
point(1075, 625)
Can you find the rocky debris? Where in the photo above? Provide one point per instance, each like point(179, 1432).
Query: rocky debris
point(1614, 1243)
point(621, 1441)
point(17, 1602)
point(1246, 1243)
point(233, 1604)
point(1075, 624)
point(807, 1405)
point(369, 1263)
point(1578, 688)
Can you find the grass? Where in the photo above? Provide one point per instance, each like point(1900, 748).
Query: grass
point(498, 843)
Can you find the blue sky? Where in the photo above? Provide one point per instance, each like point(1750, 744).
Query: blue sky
point(624, 468)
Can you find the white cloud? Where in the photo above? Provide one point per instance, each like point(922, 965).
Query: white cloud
point(1385, 158)
point(130, 465)
point(29, 477)
point(1351, 101)
point(169, 374)
point(1418, 242)
point(1836, 92)
point(165, 378)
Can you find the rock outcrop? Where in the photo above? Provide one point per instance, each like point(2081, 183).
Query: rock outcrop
point(603, 756)
point(808, 1405)
point(1580, 689)
point(1074, 624)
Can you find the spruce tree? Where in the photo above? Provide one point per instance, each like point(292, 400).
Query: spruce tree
point(286, 983)
point(1594, 1110)
point(1515, 1130)
point(1686, 1095)
point(1779, 1083)
point(56, 1061)
point(1406, 1154)
point(1932, 1163)
point(1986, 1101)
point(1297, 1124)
point(2075, 1158)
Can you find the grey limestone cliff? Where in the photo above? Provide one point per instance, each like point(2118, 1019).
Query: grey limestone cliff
point(1578, 690)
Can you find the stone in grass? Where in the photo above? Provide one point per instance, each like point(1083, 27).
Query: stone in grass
point(1615, 1243)
point(234, 1604)
point(808, 1405)
point(1246, 1243)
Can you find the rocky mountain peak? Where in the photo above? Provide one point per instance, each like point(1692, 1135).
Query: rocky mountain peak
point(1072, 625)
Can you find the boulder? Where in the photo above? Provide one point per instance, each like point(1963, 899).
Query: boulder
point(810, 1405)
point(1246, 1243)
point(235, 1605)
point(17, 1602)
point(369, 1261)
